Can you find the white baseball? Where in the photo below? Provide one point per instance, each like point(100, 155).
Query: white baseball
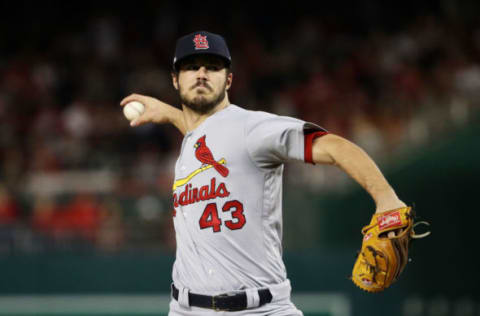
point(133, 110)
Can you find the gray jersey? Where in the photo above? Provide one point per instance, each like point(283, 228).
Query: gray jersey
point(228, 199)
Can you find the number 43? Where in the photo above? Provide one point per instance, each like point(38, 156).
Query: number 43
point(210, 217)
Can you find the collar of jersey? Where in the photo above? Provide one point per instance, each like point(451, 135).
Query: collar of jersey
point(211, 117)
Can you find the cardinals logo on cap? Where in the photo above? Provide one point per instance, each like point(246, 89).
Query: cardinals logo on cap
point(200, 42)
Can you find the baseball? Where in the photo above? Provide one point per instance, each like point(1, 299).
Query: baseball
point(133, 110)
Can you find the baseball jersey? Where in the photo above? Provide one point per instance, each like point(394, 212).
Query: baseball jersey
point(227, 198)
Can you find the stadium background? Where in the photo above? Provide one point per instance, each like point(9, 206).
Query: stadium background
point(85, 206)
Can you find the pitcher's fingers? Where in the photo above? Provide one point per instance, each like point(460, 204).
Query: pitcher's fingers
point(135, 122)
point(131, 97)
point(138, 121)
point(126, 100)
point(394, 233)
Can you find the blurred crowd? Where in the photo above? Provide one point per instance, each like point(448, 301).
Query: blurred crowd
point(72, 171)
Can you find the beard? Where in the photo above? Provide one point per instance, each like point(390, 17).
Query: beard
point(200, 103)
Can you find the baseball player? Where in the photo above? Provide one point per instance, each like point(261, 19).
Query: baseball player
point(227, 192)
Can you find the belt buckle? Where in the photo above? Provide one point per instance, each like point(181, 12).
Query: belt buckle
point(214, 303)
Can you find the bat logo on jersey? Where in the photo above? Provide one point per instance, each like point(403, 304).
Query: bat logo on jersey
point(200, 42)
point(205, 156)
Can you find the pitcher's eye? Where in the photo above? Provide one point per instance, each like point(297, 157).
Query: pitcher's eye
point(213, 68)
point(191, 67)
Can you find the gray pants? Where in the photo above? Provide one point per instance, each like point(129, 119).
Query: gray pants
point(278, 308)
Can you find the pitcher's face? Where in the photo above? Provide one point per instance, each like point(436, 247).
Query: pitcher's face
point(202, 82)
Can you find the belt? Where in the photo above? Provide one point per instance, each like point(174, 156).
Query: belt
point(224, 302)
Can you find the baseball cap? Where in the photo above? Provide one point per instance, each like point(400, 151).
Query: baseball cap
point(201, 42)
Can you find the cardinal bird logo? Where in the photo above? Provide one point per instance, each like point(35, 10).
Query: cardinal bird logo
point(205, 156)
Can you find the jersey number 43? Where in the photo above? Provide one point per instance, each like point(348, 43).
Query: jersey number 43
point(211, 219)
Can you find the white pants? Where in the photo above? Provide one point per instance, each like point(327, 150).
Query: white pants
point(279, 306)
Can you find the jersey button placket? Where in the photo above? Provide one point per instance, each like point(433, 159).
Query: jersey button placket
point(182, 167)
point(185, 144)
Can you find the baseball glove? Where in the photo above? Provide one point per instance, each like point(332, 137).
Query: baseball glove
point(384, 252)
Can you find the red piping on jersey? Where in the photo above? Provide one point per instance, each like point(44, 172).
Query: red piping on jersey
point(309, 143)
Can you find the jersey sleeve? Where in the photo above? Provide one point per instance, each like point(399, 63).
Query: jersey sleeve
point(272, 140)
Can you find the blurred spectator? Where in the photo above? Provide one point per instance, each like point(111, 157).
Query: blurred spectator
point(9, 208)
point(43, 218)
point(111, 232)
point(9, 218)
point(77, 220)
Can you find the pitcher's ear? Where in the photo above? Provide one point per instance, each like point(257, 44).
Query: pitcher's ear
point(175, 79)
point(229, 80)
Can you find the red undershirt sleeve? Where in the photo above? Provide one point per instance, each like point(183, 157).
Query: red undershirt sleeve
point(309, 138)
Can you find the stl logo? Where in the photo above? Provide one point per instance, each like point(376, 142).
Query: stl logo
point(200, 42)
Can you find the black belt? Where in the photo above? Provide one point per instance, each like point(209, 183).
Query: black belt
point(224, 302)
